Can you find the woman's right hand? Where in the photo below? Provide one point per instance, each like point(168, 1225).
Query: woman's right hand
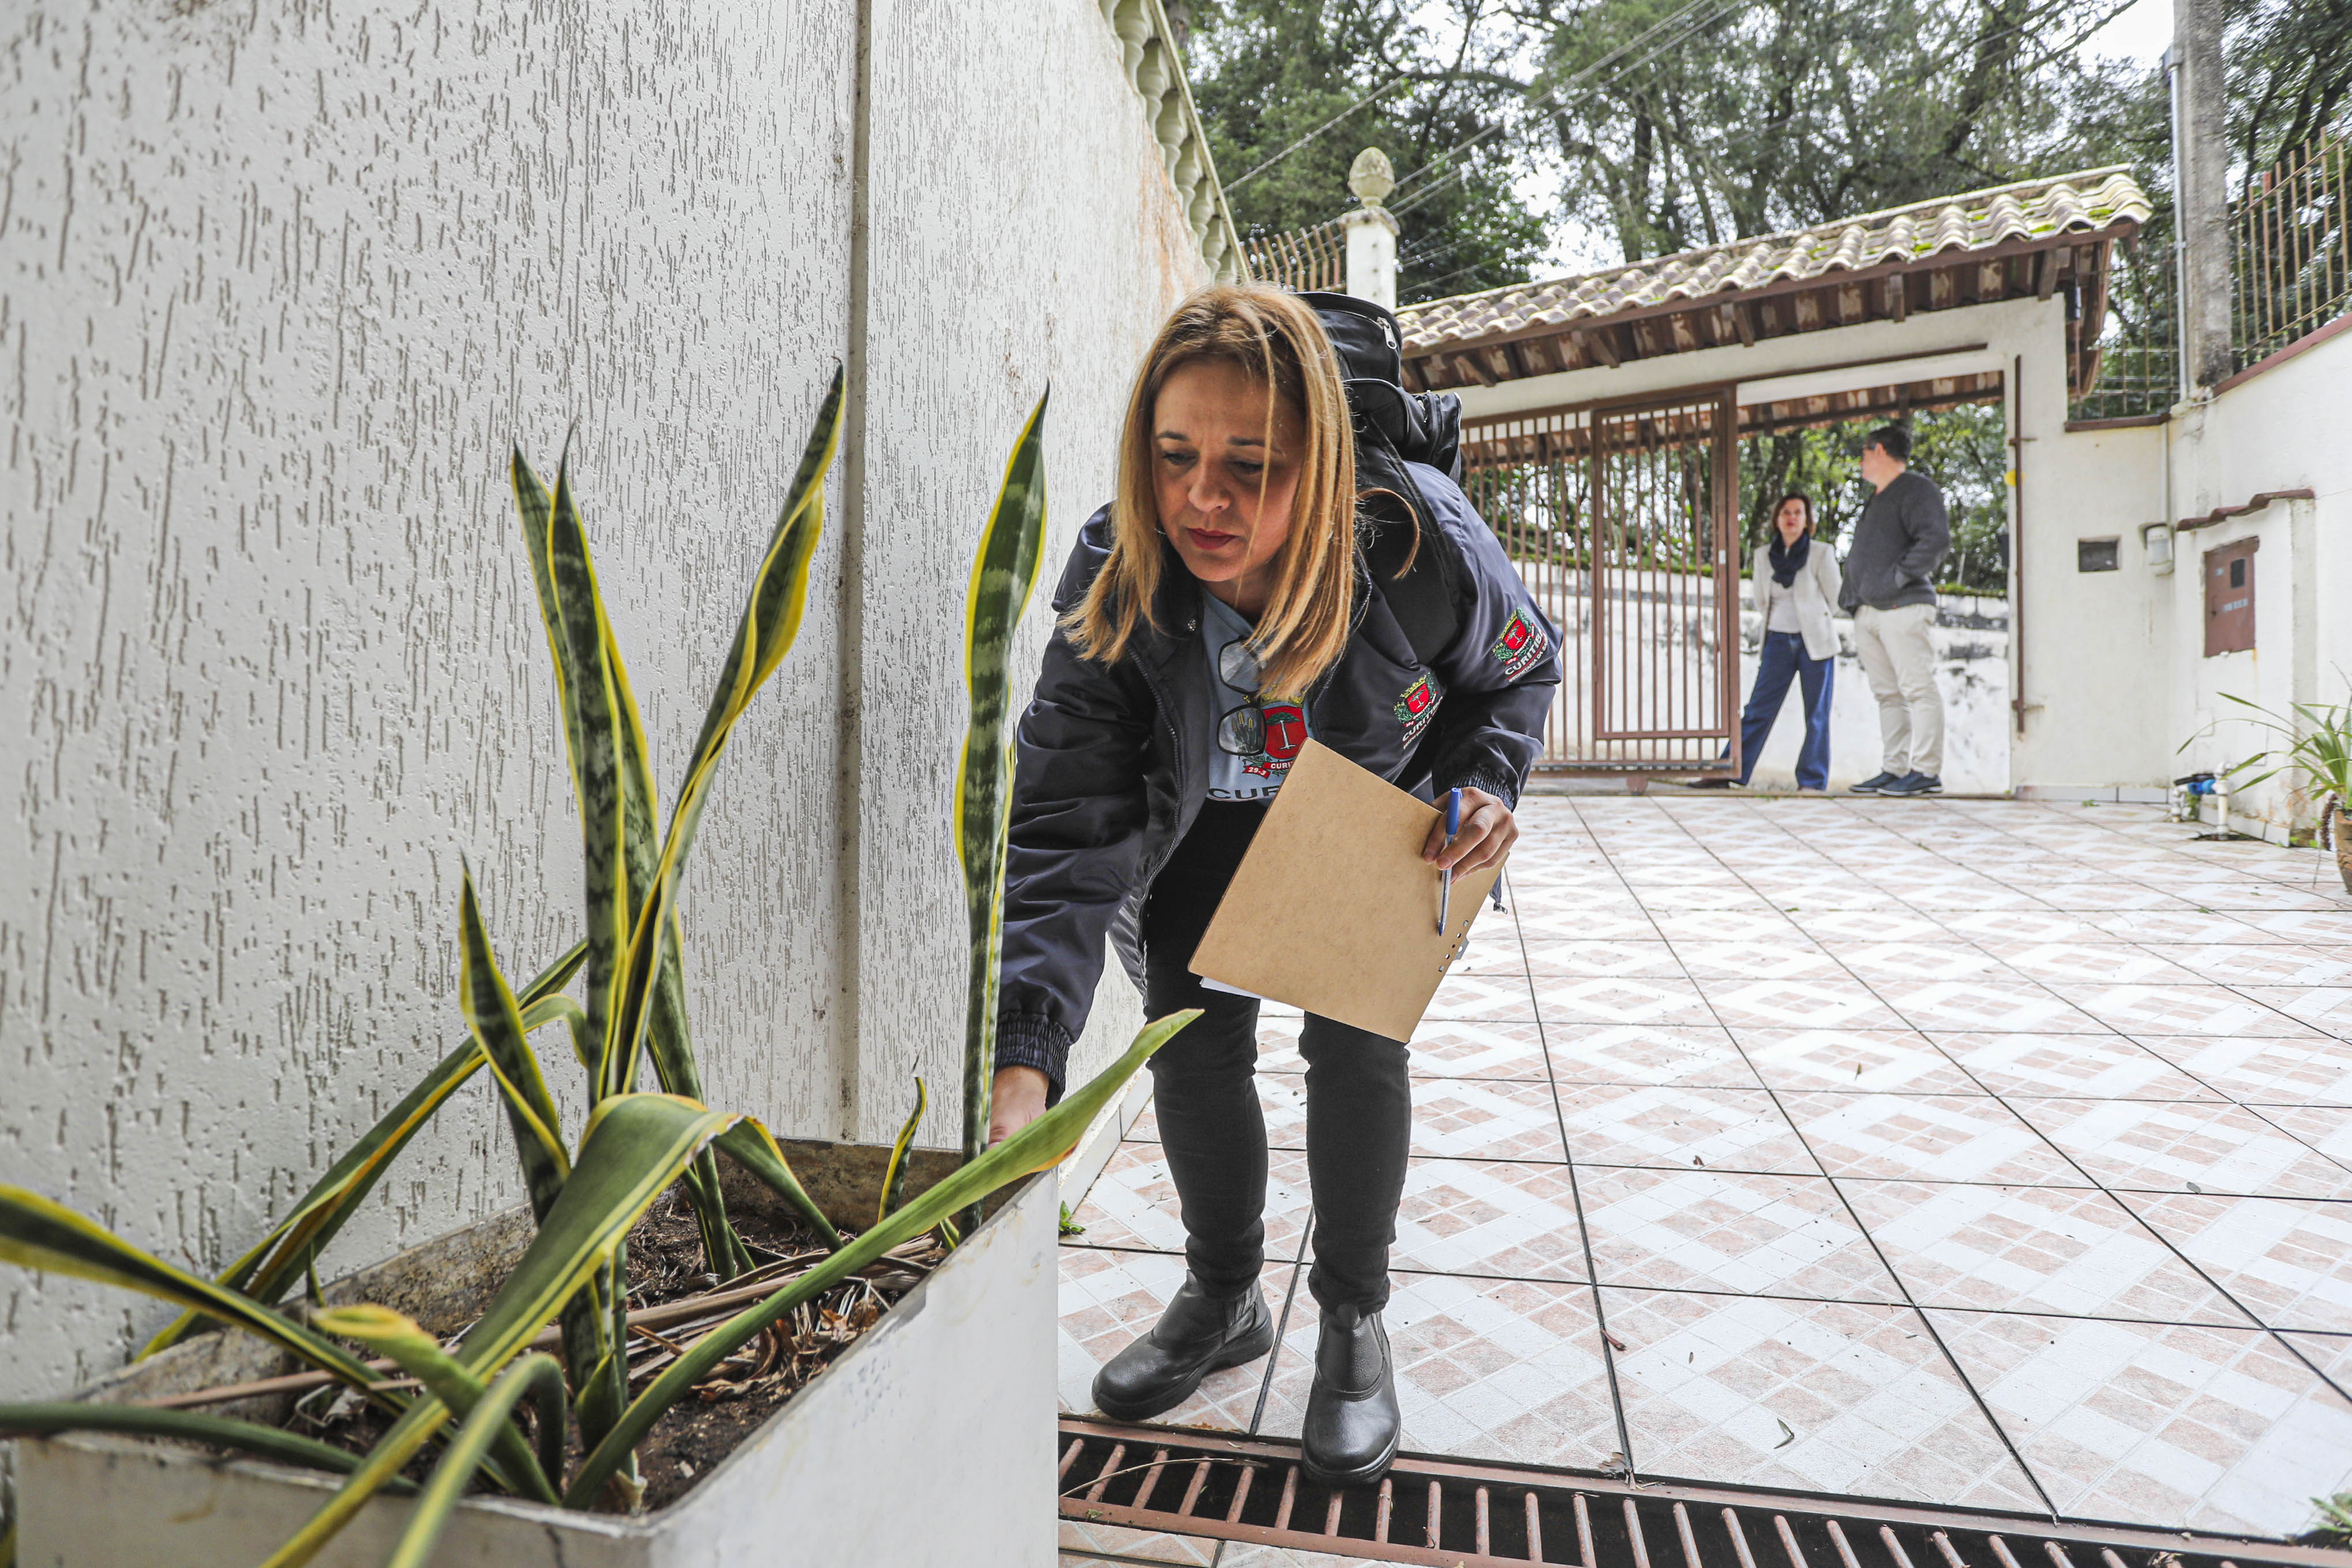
point(1016, 1096)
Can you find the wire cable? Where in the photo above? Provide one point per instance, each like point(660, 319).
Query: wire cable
point(1606, 62)
point(1236, 185)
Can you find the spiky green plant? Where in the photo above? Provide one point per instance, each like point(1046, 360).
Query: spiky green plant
point(2319, 743)
point(1004, 573)
point(585, 1194)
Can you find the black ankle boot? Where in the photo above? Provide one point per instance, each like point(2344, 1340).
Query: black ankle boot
point(1196, 1335)
point(1351, 1413)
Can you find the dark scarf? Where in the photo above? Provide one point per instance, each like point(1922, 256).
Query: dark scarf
point(1788, 560)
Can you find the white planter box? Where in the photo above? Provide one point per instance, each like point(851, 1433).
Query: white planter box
point(931, 1440)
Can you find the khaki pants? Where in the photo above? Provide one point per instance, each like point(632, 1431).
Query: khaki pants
point(1897, 652)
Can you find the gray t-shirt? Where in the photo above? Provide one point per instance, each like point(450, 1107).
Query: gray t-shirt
point(1255, 742)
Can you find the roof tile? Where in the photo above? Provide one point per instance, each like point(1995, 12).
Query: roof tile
point(2088, 201)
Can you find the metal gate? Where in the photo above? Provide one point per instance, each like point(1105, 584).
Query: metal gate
point(1622, 521)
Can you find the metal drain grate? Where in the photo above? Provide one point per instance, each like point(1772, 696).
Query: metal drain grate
point(1446, 1512)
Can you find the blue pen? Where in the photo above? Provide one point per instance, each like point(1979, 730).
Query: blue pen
point(1446, 877)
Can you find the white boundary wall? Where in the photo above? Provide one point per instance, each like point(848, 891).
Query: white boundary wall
point(278, 288)
point(2135, 699)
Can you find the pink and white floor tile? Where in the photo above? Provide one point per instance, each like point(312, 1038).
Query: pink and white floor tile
point(1786, 957)
point(1811, 1396)
point(1643, 1054)
point(1467, 1049)
point(1925, 1137)
point(2033, 1249)
point(1929, 960)
point(2083, 1067)
point(2289, 1260)
point(2154, 1146)
point(1485, 1118)
point(1490, 1217)
point(2239, 964)
point(1680, 1126)
point(1833, 1001)
point(2199, 1009)
point(2056, 1123)
point(2190, 1427)
point(2007, 1006)
point(1855, 1060)
point(1671, 1001)
point(2091, 962)
point(1728, 1231)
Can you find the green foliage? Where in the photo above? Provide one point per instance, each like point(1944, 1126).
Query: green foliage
point(1003, 575)
point(894, 1176)
point(1964, 449)
point(586, 1195)
point(1043, 1144)
point(2318, 745)
point(2289, 68)
point(1266, 73)
point(2335, 1527)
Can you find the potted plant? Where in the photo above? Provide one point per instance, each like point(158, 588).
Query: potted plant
point(508, 1356)
point(2320, 744)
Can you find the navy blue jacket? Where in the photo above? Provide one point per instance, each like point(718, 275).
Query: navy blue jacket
point(1113, 758)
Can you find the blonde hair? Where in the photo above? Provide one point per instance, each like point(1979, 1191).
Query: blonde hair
point(1276, 339)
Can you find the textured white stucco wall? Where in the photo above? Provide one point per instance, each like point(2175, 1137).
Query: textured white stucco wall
point(2288, 428)
point(1021, 213)
point(278, 286)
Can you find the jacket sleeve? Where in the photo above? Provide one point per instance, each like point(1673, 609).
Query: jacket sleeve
point(1502, 669)
point(1830, 575)
point(1074, 843)
point(1930, 531)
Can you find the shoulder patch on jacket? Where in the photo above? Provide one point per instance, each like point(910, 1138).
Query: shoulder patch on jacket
point(1521, 644)
point(1415, 707)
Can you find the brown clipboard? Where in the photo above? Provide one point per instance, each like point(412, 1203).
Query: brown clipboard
point(1333, 910)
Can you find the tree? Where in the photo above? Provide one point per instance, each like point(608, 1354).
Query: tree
point(1680, 123)
point(2289, 68)
point(1267, 74)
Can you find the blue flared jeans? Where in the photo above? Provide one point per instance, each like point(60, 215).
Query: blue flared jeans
point(1784, 660)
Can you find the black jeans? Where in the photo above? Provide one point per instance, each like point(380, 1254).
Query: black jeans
point(1359, 1102)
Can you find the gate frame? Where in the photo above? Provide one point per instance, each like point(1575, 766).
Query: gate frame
point(1726, 461)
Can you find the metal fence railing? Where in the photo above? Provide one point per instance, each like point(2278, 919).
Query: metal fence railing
point(2293, 266)
point(1314, 258)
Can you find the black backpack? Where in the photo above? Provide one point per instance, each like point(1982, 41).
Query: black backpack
point(1416, 568)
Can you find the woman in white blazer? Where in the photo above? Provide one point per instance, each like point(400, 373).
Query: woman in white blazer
point(1795, 582)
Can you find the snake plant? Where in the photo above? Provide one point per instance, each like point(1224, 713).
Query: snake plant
point(1004, 572)
point(587, 1192)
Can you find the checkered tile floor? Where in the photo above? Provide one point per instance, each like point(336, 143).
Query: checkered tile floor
point(1979, 1153)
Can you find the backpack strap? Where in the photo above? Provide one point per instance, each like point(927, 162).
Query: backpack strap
point(1399, 527)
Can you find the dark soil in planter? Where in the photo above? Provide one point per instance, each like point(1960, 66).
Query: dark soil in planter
point(666, 1265)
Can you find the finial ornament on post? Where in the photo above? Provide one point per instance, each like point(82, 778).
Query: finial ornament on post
point(1372, 231)
point(1371, 177)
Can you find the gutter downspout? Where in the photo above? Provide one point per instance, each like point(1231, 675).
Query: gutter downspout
point(2017, 543)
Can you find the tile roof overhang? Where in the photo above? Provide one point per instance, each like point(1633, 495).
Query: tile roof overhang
point(2034, 239)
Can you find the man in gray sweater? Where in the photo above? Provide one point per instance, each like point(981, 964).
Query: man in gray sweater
point(1890, 586)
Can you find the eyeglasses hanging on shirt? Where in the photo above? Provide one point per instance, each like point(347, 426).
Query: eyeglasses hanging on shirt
point(1256, 727)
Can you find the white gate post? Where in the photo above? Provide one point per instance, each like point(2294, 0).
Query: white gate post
point(1371, 232)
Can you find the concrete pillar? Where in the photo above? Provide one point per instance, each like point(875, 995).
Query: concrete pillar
point(2201, 162)
point(1372, 231)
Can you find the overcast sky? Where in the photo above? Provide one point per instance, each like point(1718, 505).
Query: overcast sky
point(2141, 33)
